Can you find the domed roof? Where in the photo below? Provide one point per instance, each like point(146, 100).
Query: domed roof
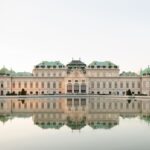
point(146, 72)
point(50, 64)
point(4, 71)
point(105, 64)
point(76, 64)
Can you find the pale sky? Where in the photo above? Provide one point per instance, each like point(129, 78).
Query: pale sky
point(35, 30)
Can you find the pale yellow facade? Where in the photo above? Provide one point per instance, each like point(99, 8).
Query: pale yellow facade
point(75, 80)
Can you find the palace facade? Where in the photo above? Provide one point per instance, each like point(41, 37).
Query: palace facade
point(53, 77)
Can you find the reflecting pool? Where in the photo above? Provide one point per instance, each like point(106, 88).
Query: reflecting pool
point(74, 123)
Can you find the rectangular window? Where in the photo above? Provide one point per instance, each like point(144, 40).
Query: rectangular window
point(98, 84)
point(48, 85)
point(59, 84)
point(144, 84)
point(104, 85)
point(127, 85)
point(110, 85)
point(31, 85)
point(48, 105)
point(133, 84)
point(98, 105)
point(13, 85)
point(139, 85)
point(115, 84)
point(36, 85)
point(121, 85)
point(92, 84)
point(25, 85)
point(19, 85)
point(54, 84)
point(42, 84)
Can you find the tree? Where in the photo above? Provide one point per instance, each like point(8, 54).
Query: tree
point(129, 92)
point(23, 92)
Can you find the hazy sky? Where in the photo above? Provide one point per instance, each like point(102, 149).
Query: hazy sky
point(35, 30)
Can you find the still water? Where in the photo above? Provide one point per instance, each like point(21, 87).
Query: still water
point(74, 123)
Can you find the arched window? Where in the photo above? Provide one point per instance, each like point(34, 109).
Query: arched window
point(76, 88)
point(83, 88)
point(69, 88)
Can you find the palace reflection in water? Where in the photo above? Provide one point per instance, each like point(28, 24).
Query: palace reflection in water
point(75, 112)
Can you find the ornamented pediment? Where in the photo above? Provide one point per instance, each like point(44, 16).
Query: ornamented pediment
point(77, 74)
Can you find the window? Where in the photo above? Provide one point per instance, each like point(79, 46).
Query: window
point(36, 105)
point(31, 85)
point(139, 85)
point(54, 84)
point(42, 84)
point(25, 85)
point(42, 105)
point(144, 84)
point(31, 105)
point(104, 105)
point(54, 74)
point(121, 85)
point(59, 84)
point(98, 105)
point(48, 105)
point(48, 74)
point(127, 85)
point(42, 74)
point(36, 85)
point(98, 84)
point(2, 85)
point(116, 85)
point(13, 85)
point(48, 85)
point(104, 85)
point(59, 74)
point(133, 84)
point(19, 85)
point(69, 88)
point(54, 105)
point(92, 84)
point(110, 85)
point(59, 105)
point(115, 105)
point(110, 105)
point(121, 105)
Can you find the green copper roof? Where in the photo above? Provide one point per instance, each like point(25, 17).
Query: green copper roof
point(76, 64)
point(22, 74)
point(128, 74)
point(102, 125)
point(105, 64)
point(146, 71)
point(4, 71)
point(49, 125)
point(50, 64)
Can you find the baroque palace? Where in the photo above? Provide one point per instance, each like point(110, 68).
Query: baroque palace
point(52, 77)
